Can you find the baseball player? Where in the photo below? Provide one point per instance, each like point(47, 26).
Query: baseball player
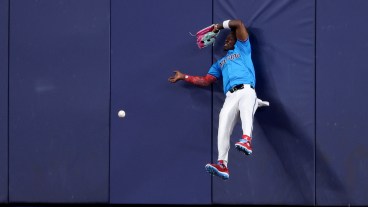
point(237, 72)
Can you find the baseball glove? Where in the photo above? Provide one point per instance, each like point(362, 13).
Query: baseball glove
point(206, 36)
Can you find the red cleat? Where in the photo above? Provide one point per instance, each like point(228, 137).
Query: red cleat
point(244, 145)
point(218, 169)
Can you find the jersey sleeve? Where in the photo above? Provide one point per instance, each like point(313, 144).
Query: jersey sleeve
point(200, 80)
point(244, 46)
point(215, 70)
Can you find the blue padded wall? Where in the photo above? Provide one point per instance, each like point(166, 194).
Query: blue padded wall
point(4, 12)
point(281, 168)
point(159, 150)
point(59, 93)
point(342, 48)
point(59, 101)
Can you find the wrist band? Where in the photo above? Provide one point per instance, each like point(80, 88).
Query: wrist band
point(225, 24)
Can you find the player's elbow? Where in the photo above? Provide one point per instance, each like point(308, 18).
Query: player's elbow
point(205, 84)
point(238, 23)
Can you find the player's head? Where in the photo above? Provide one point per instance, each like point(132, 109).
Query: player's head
point(230, 41)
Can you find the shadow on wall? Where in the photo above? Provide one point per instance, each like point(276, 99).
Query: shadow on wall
point(278, 121)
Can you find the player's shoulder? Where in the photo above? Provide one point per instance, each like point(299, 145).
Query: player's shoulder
point(246, 41)
point(243, 44)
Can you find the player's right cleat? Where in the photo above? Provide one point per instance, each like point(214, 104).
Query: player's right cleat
point(244, 145)
point(218, 169)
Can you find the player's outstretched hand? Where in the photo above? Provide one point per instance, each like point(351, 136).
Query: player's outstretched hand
point(177, 76)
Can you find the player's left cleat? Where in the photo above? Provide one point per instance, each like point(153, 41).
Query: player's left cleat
point(244, 145)
point(218, 169)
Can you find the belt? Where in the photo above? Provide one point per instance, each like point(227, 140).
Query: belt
point(238, 87)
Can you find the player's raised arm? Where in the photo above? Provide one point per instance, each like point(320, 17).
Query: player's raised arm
point(195, 80)
point(237, 25)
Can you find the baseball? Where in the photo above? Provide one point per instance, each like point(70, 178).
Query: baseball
point(121, 114)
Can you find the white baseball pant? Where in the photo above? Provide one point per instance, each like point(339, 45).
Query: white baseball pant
point(243, 102)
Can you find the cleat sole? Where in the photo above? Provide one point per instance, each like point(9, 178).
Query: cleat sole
point(214, 172)
point(242, 149)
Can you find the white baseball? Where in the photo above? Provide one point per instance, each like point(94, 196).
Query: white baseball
point(121, 114)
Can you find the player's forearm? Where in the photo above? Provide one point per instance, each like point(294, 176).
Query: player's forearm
point(230, 24)
point(200, 80)
point(235, 25)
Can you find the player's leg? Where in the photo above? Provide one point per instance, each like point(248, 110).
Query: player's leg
point(227, 120)
point(247, 105)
